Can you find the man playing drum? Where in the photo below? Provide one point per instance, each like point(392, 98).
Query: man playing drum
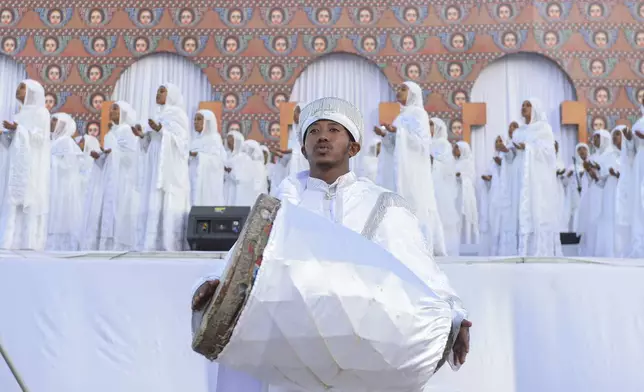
point(331, 133)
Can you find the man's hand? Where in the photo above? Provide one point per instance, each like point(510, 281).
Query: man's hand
point(154, 125)
point(390, 128)
point(498, 160)
point(9, 126)
point(137, 130)
point(486, 178)
point(193, 153)
point(628, 134)
point(613, 172)
point(204, 294)
point(109, 150)
point(462, 343)
point(520, 146)
point(94, 155)
point(227, 169)
point(378, 131)
point(570, 173)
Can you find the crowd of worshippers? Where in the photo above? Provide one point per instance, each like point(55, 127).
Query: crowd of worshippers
point(135, 191)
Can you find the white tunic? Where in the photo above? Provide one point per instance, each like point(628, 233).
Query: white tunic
point(207, 168)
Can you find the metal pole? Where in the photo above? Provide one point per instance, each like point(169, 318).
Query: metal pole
point(13, 369)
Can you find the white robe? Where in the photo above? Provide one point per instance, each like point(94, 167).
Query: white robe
point(207, 168)
point(232, 158)
point(277, 172)
point(405, 154)
point(369, 164)
point(352, 204)
point(25, 206)
point(297, 162)
point(466, 200)
point(165, 184)
point(576, 183)
point(248, 174)
point(65, 212)
point(120, 207)
point(93, 189)
point(636, 204)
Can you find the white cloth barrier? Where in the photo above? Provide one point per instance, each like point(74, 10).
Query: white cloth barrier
point(104, 323)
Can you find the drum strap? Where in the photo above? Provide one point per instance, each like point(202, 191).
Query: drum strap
point(385, 200)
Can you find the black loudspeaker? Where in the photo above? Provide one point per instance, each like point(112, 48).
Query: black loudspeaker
point(215, 228)
point(569, 238)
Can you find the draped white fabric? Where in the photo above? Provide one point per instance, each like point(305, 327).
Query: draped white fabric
point(504, 85)
point(11, 74)
point(139, 83)
point(349, 77)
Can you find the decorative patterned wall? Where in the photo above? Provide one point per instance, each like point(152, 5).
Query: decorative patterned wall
point(253, 52)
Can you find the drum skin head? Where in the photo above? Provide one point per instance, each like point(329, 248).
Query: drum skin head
point(223, 310)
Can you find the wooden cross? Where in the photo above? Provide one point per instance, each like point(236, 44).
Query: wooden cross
point(287, 112)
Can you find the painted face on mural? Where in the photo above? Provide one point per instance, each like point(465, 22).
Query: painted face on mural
point(639, 39)
point(455, 70)
point(369, 44)
point(190, 45)
point(277, 16)
point(599, 123)
point(99, 45)
point(413, 72)
point(141, 45)
point(54, 73)
point(602, 96)
point(236, 17)
point(597, 67)
point(96, 17)
point(186, 17)
point(9, 45)
point(411, 15)
point(504, 12)
point(456, 127)
point(230, 101)
point(231, 45)
point(323, 16)
point(458, 41)
point(6, 16)
point(93, 129)
point(94, 73)
point(51, 45)
point(55, 17)
point(601, 39)
point(50, 101)
point(280, 44)
point(319, 44)
point(551, 39)
point(279, 99)
point(408, 43)
point(234, 126)
point(146, 17)
point(97, 101)
point(554, 11)
point(640, 96)
point(596, 11)
point(510, 40)
point(276, 73)
point(365, 16)
point(460, 97)
point(274, 129)
point(452, 13)
point(235, 73)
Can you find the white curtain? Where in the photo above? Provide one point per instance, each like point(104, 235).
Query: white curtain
point(349, 77)
point(11, 74)
point(139, 83)
point(504, 84)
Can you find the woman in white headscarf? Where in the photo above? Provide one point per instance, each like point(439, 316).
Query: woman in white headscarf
point(207, 156)
point(561, 190)
point(23, 220)
point(165, 184)
point(635, 145)
point(466, 200)
point(405, 154)
point(369, 164)
point(443, 174)
point(121, 197)
point(297, 163)
point(577, 182)
point(234, 142)
point(249, 174)
point(66, 200)
point(267, 167)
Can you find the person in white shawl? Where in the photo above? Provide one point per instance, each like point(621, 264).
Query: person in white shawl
point(65, 216)
point(25, 206)
point(165, 183)
point(207, 156)
point(635, 145)
point(443, 175)
point(622, 176)
point(93, 189)
point(538, 205)
point(561, 190)
point(405, 155)
point(298, 162)
point(466, 201)
point(577, 183)
point(234, 143)
point(369, 163)
point(267, 158)
point(120, 207)
point(248, 174)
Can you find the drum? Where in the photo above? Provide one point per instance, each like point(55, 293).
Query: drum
point(308, 304)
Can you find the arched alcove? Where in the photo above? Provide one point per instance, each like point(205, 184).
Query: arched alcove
point(350, 77)
point(503, 86)
point(11, 73)
point(138, 83)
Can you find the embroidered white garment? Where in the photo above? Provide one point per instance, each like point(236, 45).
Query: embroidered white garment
point(25, 207)
point(466, 201)
point(93, 190)
point(165, 181)
point(65, 212)
point(207, 168)
point(233, 155)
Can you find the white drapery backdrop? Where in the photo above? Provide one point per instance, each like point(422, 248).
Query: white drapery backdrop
point(349, 77)
point(139, 83)
point(504, 84)
point(11, 74)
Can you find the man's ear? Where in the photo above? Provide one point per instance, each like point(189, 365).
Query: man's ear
point(304, 152)
point(354, 149)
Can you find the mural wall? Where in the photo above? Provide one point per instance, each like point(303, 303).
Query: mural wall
point(252, 52)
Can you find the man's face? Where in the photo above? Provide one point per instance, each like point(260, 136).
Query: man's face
point(230, 101)
point(94, 74)
point(100, 45)
point(6, 17)
point(50, 45)
point(597, 68)
point(601, 39)
point(411, 15)
point(324, 16)
point(50, 101)
point(455, 71)
point(234, 73)
point(186, 17)
point(162, 95)
point(190, 45)
point(510, 40)
point(402, 94)
point(319, 45)
point(231, 45)
point(277, 18)
point(276, 73)
point(55, 17)
point(458, 41)
point(235, 17)
point(369, 44)
point(146, 17)
point(551, 39)
point(408, 44)
point(504, 12)
point(97, 102)
point(601, 96)
point(96, 17)
point(326, 144)
point(53, 73)
point(583, 153)
point(413, 72)
point(230, 141)
point(198, 122)
point(115, 114)
point(597, 141)
point(617, 139)
point(364, 16)
point(452, 14)
point(141, 46)
point(281, 45)
point(9, 45)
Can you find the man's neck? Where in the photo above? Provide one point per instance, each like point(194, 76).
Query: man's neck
point(328, 175)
